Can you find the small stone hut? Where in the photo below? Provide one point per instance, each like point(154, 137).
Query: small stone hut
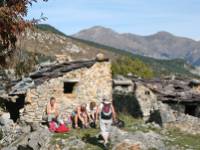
point(71, 83)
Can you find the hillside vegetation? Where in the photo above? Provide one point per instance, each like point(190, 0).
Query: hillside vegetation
point(125, 65)
point(139, 65)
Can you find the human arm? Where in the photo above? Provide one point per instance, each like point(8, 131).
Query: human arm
point(56, 110)
point(114, 113)
point(79, 114)
point(97, 114)
point(48, 109)
point(90, 117)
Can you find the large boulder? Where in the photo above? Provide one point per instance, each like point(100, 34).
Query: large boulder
point(5, 119)
point(74, 143)
point(140, 140)
point(11, 133)
point(37, 140)
point(164, 115)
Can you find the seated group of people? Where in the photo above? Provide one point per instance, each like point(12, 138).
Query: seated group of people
point(85, 116)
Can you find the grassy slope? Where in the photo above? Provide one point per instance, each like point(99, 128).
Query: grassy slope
point(160, 67)
point(174, 137)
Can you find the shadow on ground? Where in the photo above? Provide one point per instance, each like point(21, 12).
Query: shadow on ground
point(94, 141)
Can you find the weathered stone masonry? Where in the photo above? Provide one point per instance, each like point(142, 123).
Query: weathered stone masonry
point(90, 84)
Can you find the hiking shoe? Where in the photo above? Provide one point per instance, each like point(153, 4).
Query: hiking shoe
point(106, 145)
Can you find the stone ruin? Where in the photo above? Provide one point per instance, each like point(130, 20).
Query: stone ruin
point(71, 83)
point(168, 102)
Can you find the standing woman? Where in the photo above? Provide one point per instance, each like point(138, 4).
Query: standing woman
point(107, 115)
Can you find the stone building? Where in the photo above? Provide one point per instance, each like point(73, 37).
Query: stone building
point(71, 83)
point(168, 102)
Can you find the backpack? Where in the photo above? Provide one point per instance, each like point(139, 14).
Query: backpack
point(62, 129)
point(106, 112)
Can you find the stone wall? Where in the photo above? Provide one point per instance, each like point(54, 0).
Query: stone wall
point(147, 100)
point(185, 123)
point(93, 84)
point(173, 118)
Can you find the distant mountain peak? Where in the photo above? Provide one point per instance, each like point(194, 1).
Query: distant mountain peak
point(99, 28)
point(95, 29)
point(162, 44)
point(161, 34)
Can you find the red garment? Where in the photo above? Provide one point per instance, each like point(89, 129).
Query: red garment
point(62, 129)
point(52, 126)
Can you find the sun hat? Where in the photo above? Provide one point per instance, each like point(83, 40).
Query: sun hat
point(106, 100)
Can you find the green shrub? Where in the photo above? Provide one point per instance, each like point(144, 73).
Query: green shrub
point(125, 65)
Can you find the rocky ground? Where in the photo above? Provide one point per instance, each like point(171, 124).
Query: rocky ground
point(136, 135)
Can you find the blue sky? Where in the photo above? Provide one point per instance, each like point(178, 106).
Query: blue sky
point(144, 17)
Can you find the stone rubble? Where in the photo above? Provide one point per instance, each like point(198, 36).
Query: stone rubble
point(10, 132)
point(36, 140)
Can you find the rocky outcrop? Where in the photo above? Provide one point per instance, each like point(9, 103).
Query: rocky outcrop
point(70, 143)
point(144, 141)
point(173, 118)
point(10, 130)
point(37, 140)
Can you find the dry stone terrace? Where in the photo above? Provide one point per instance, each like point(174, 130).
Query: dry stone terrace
point(71, 83)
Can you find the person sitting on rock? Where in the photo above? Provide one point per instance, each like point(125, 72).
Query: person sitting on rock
point(53, 112)
point(80, 117)
point(91, 109)
point(107, 115)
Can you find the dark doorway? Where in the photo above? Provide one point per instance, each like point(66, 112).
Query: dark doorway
point(69, 87)
point(14, 107)
point(190, 109)
point(127, 104)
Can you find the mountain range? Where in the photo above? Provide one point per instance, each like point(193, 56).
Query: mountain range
point(46, 42)
point(162, 45)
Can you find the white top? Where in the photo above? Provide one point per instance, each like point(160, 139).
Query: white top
point(100, 110)
point(89, 111)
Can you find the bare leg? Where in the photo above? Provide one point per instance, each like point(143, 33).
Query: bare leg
point(93, 116)
point(76, 121)
point(85, 120)
point(105, 137)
